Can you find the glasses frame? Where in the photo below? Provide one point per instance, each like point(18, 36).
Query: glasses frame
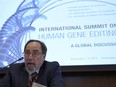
point(34, 53)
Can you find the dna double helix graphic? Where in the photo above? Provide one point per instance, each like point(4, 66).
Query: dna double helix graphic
point(17, 28)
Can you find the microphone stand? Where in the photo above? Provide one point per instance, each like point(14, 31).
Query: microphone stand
point(11, 63)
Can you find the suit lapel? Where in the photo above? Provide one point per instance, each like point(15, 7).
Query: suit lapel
point(23, 78)
point(41, 76)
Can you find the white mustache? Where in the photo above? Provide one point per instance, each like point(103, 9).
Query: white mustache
point(30, 62)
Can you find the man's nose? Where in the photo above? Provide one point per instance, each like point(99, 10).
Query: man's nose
point(30, 56)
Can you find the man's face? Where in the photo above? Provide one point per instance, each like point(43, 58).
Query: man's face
point(33, 56)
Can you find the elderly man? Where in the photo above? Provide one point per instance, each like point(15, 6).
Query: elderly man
point(35, 71)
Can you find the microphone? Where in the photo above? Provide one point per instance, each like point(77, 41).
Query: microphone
point(12, 63)
point(19, 59)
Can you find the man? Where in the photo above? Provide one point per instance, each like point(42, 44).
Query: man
point(48, 73)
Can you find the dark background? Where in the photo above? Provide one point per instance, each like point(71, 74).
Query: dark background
point(86, 76)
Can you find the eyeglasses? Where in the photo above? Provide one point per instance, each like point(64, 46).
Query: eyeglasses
point(34, 53)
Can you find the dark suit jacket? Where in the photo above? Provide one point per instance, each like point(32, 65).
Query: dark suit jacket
point(49, 75)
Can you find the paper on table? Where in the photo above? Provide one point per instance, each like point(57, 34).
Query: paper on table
point(37, 85)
